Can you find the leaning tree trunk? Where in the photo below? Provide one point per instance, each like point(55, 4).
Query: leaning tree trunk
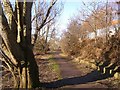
point(18, 42)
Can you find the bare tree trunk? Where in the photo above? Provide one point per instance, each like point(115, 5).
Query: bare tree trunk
point(46, 18)
point(20, 50)
point(46, 39)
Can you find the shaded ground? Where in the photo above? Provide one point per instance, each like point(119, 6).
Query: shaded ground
point(57, 71)
point(67, 69)
point(47, 71)
point(73, 77)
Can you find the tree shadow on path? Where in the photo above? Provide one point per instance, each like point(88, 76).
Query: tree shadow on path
point(90, 77)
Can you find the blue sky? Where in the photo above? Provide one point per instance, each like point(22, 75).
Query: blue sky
point(70, 9)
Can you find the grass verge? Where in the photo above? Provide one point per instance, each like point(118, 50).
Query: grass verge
point(54, 66)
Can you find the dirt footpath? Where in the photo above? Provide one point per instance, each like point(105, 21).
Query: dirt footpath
point(74, 77)
point(67, 69)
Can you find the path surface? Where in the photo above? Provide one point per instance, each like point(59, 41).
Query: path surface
point(67, 69)
point(73, 77)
